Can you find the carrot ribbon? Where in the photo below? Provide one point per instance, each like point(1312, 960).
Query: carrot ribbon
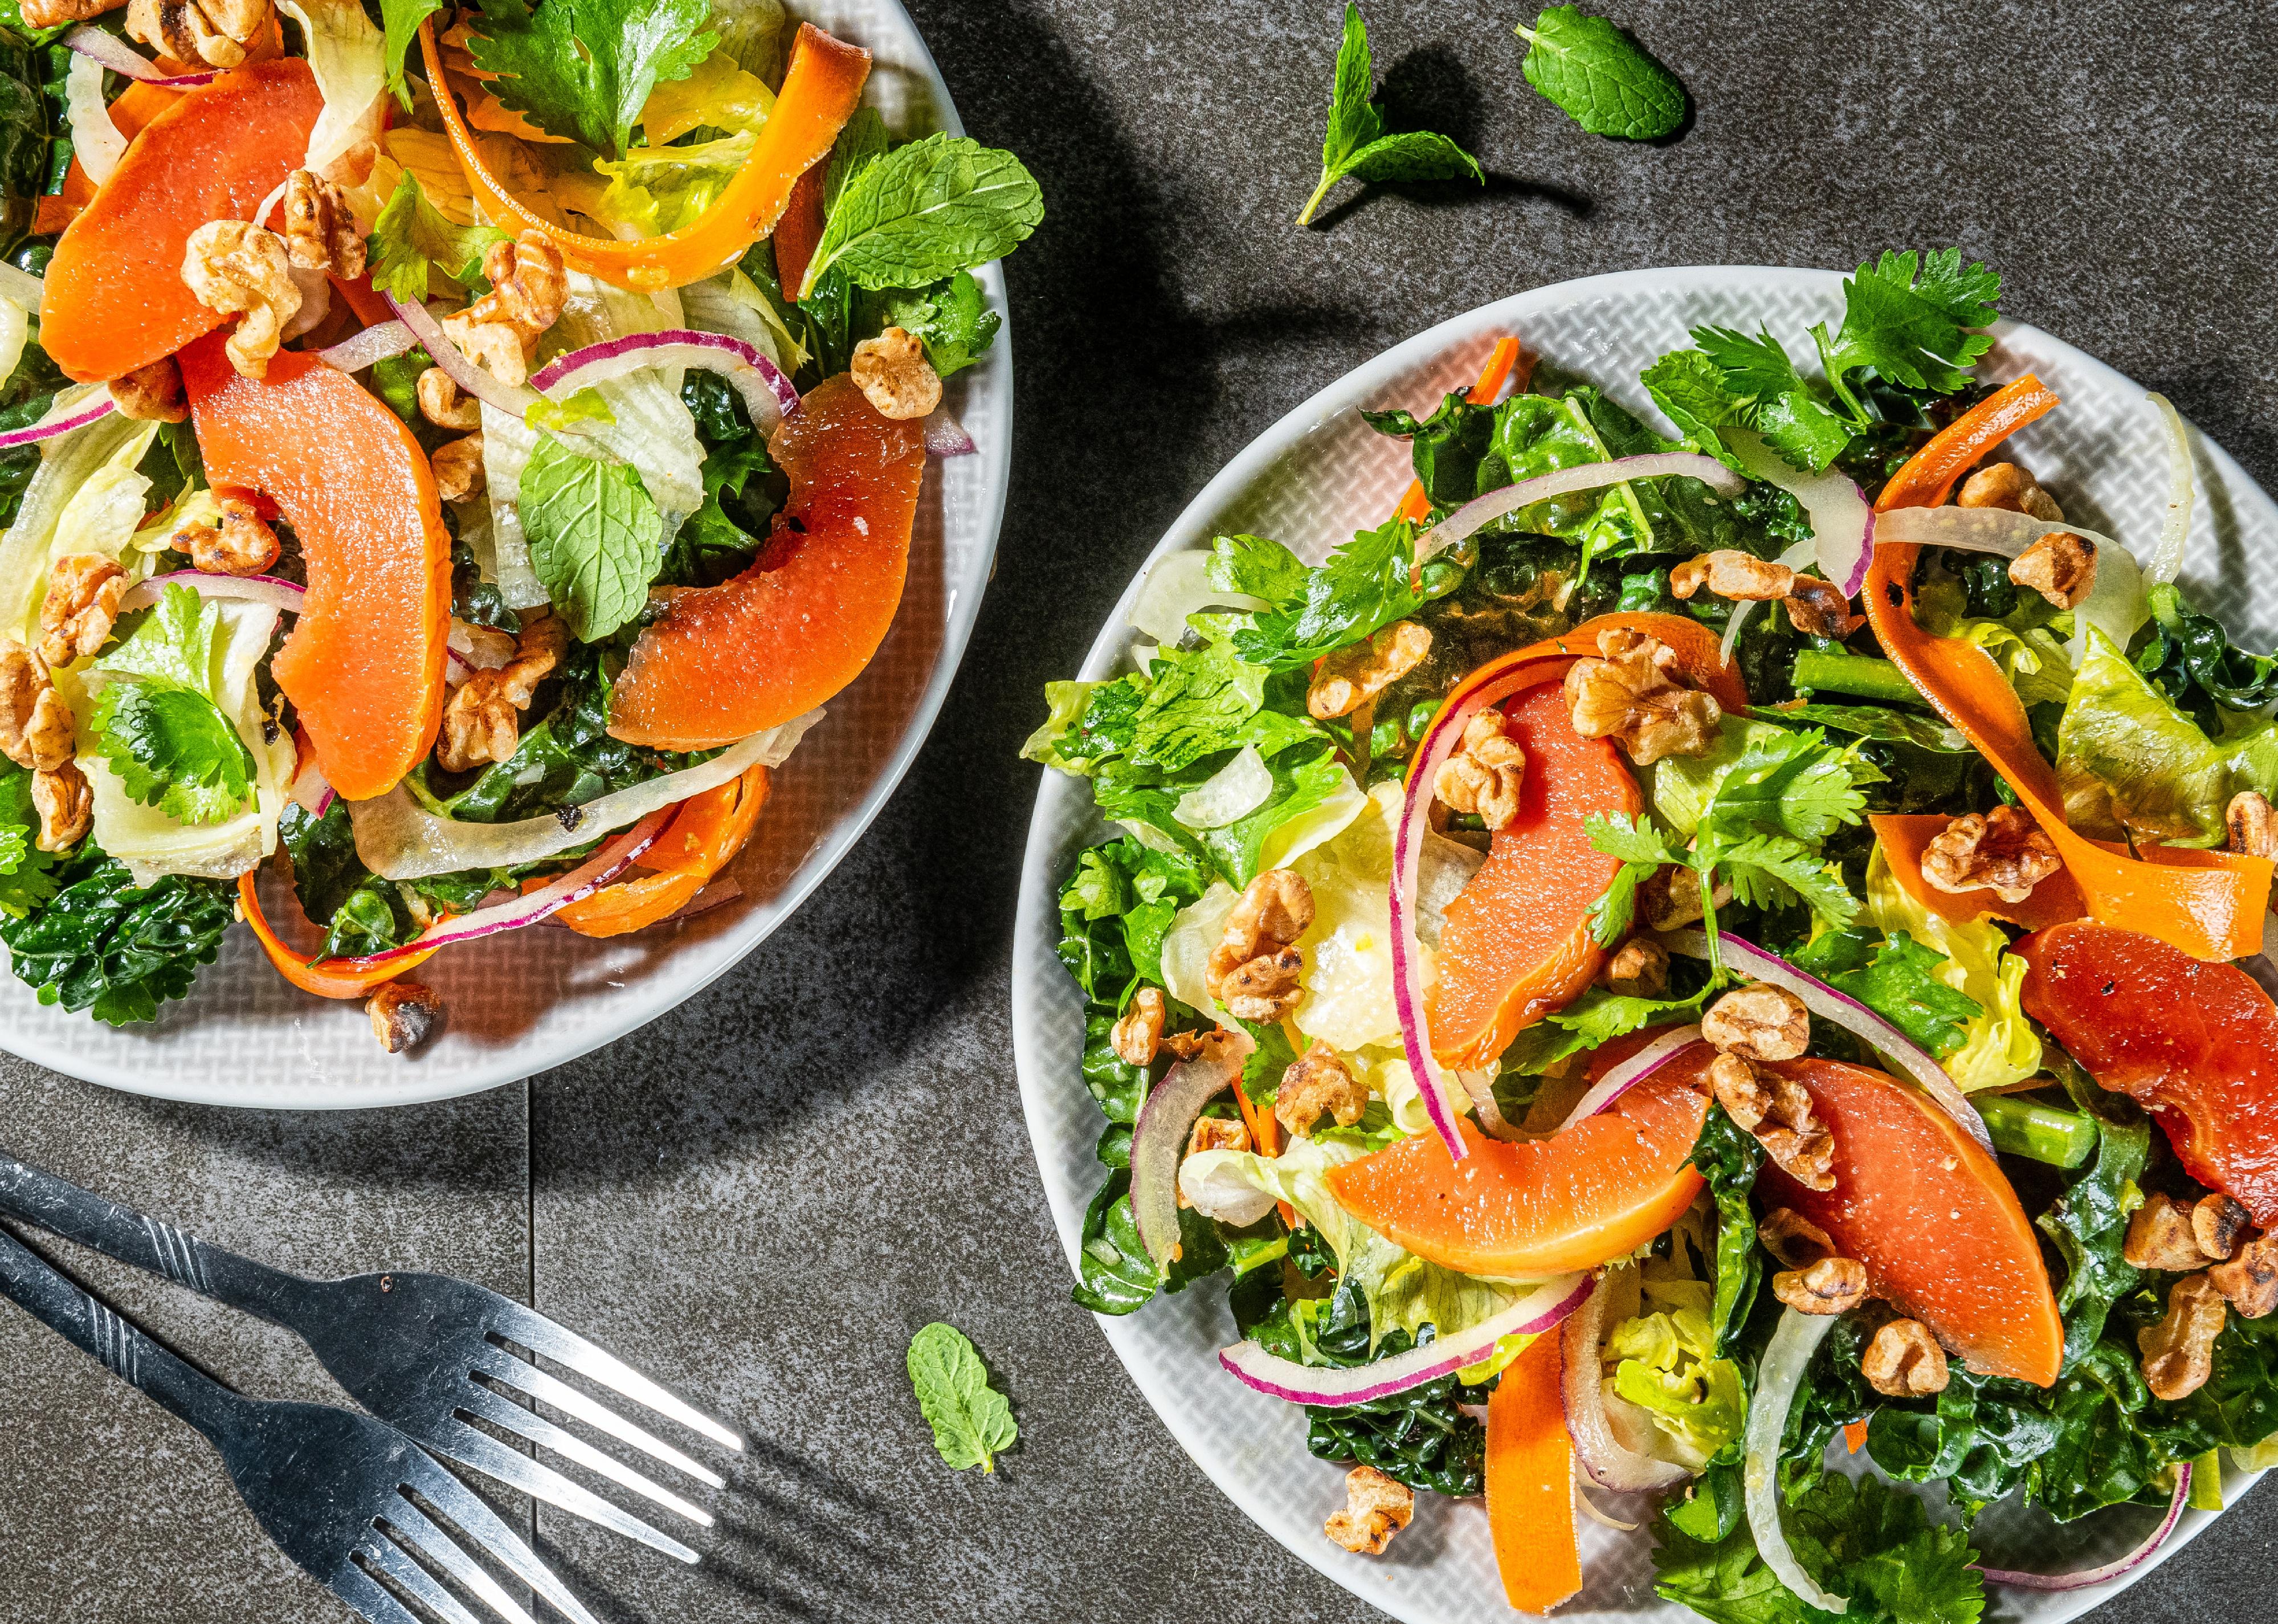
point(1530, 1481)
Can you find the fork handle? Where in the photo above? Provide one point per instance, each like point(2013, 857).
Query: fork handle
point(120, 1232)
point(35, 1286)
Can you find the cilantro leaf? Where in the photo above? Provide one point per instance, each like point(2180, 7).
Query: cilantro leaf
point(926, 212)
point(594, 532)
point(1794, 783)
point(1908, 315)
point(1762, 869)
point(1771, 397)
point(26, 879)
point(1257, 565)
point(1880, 1543)
point(1631, 838)
point(1355, 143)
point(180, 640)
point(1599, 76)
point(402, 19)
point(1365, 586)
point(1611, 913)
point(173, 749)
point(411, 236)
point(972, 1422)
point(583, 69)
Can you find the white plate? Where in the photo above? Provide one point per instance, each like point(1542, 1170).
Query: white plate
point(543, 996)
point(1310, 480)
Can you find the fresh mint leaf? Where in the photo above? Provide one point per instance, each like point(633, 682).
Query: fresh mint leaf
point(972, 1422)
point(583, 69)
point(173, 749)
point(1355, 143)
point(926, 212)
point(412, 237)
point(401, 18)
point(950, 318)
point(1599, 76)
point(594, 532)
point(862, 140)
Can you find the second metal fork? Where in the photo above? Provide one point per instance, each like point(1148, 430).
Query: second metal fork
point(424, 1352)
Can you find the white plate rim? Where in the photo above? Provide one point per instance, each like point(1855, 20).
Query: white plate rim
point(1036, 920)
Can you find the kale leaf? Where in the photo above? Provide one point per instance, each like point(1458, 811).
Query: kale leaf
point(105, 944)
point(1357, 143)
point(1115, 1274)
point(2196, 666)
point(1728, 1156)
point(1895, 977)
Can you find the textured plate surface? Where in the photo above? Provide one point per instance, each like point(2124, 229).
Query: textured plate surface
point(541, 996)
point(1310, 481)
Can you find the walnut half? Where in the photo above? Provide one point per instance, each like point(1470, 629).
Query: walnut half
point(1905, 1361)
point(236, 268)
point(894, 375)
point(404, 1014)
point(1486, 775)
point(2003, 851)
point(1633, 696)
point(1376, 1507)
point(1253, 971)
point(1832, 1285)
point(1319, 1084)
point(2179, 1350)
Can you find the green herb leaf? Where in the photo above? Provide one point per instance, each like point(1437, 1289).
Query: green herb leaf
point(1599, 76)
point(1365, 586)
point(593, 534)
point(118, 950)
point(583, 69)
point(26, 878)
point(950, 318)
point(859, 144)
point(1897, 978)
point(972, 1422)
point(1355, 143)
point(926, 212)
point(1908, 315)
point(173, 749)
point(411, 236)
point(1261, 567)
point(402, 19)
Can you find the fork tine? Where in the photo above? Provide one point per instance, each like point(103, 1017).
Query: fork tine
point(471, 1447)
point(414, 1530)
point(541, 1335)
point(369, 1596)
point(392, 1559)
point(459, 1503)
point(504, 1367)
point(501, 1411)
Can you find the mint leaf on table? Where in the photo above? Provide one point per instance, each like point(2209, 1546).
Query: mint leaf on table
point(583, 69)
point(1599, 76)
point(921, 212)
point(594, 531)
point(972, 1422)
point(412, 237)
point(1355, 143)
point(401, 20)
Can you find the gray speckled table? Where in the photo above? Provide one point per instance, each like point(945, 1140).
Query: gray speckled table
point(688, 1194)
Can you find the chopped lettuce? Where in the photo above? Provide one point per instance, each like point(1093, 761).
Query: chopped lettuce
point(1998, 1046)
point(654, 190)
point(1665, 1364)
point(1348, 1002)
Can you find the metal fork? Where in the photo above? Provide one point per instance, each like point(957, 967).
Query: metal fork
point(334, 1489)
point(409, 1348)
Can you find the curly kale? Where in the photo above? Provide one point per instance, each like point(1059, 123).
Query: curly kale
point(108, 945)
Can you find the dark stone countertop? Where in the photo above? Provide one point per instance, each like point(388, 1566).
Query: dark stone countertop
point(758, 1197)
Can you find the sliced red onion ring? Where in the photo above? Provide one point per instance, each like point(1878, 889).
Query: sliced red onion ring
point(1846, 1012)
point(1976, 529)
point(2175, 528)
point(767, 394)
point(476, 380)
point(282, 595)
point(945, 436)
point(1842, 521)
point(360, 351)
point(1158, 1141)
point(1588, 477)
point(2089, 1578)
point(120, 57)
point(1633, 1071)
point(575, 886)
point(1538, 1311)
point(62, 419)
point(1609, 1462)
point(1786, 1358)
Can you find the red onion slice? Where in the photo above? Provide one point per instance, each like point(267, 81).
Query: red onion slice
point(945, 436)
point(766, 393)
point(1586, 476)
point(2175, 527)
point(1846, 1012)
point(1631, 1072)
point(1540, 1310)
point(1609, 1462)
point(62, 419)
point(1842, 520)
point(1158, 1141)
point(2091, 1577)
point(476, 380)
point(1780, 1373)
point(120, 57)
point(281, 595)
point(360, 351)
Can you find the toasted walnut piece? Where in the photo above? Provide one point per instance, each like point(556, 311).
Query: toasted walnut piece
point(1318, 1085)
point(152, 394)
point(36, 724)
point(320, 233)
point(2005, 485)
point(53, 13)
point(2249, 822)
point(214, 31)
point(1777, 1110)
point(894, 375)
point(492, 345)
point(1806, 1155)
point(458, 465)
point(2160, 1236)
point(1903, 1361)
point(1350, 678)
point(481, 721)
point(2218, 1224)
point(2179, 1350)
point(1640, 969)
point(82, 601)
point(1793, 1238)
point(443, 404)
point(242, 544)
point(1744, 1091)
point(1486, 772)
point(2003, 851)
point(1253, 971)
point(528, 283)
point(1376, 1507)
point(1214, 1133)
point(2061, 566)
point(1634, 697)
point(403, 1015)
point(1212, 1046)
point(65, 804)
point(236, 268)
point(1759, 1023)
point(1139, 1031)
point(1732, 574)
point(1818, 608)
point(1832, 1285)
point(2248, 1281)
